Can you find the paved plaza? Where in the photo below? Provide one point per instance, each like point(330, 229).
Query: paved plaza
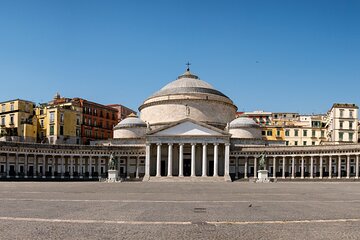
point(138, 210)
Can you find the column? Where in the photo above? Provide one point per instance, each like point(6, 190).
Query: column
point(216, 159)
point(312, 167)
point(99, 167)
point(90, 167)
point(255, 167)
point(246, 167)
point(283, 167)
point(7, 166)
point(302, 167)
point(227, 162)
point(339, 167)
point(357, 167)
point(193, 145)
point(170, 159)
point(147, 162)
point(16, 165)
point(348, 166)
point(158, 160)
point(137, 167)
point(53, 167)
point(81, 167)
point(58, 170)
point(71, 167)
point(44, 165)
point(181, 160)
point(321, 167)
point(26, 165)
point(236, 168)
point(35, 173)
point(204, 161)
point(293, 167)
point(62, 166)
point(330, 166)
point(127, 166)
point(274, 167)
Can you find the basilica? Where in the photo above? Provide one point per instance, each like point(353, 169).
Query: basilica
point(186, 131)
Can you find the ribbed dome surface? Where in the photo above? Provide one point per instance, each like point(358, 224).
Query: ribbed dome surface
point(131, 121)
point(243, 122)
point(187, 83)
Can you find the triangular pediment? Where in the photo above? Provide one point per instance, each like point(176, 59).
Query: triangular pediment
point(189, 128)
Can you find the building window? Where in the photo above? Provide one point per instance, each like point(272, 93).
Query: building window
point(341, 112)
point(3, 108)
point(41, 112)
point(296, 133)
point(51, 129)
point(12, 119)
point(304, 143)
point(263, 133)
point(341, 124)
point(2, 120)
point(278, 133)
point(61, 130)
point(313, 133)
point(350, 125)
point(341, 135)
point(61, 117)
point(52, 117)
point(322, 133)
point(78, 132)
point(89, 121)
point(78, 121)
point(287, 143)
point(351, 113)
point(351, 136)
point(313, 143)
point(287, 133)
point(95, 123)
point(296, 143)
point(305, 133)
point(269, 133)
point(42, 123)
point(11, 106)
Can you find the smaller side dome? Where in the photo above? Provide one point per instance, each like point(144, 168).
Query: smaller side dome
point(130, 127)
point(245, 128)
point(131, 121)
point(243, 122)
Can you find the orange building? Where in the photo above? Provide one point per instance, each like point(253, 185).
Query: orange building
point(123, 111)
point(98, 120)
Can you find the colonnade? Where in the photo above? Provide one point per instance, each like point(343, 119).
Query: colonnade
point(300, 166)
point(61, 166)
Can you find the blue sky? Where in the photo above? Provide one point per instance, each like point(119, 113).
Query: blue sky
point(272, 55)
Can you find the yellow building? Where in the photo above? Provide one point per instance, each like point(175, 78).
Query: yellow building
point(17, 121)
point(58, 124)
point(273, 133)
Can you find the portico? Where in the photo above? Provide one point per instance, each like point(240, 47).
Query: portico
point(187, 149)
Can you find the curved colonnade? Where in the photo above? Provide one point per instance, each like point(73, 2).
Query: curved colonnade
point(24, 160)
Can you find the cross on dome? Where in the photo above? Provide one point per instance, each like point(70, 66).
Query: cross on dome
point(188, 66)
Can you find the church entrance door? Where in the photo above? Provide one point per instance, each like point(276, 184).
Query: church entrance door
point(187, 167)
point(211, 168)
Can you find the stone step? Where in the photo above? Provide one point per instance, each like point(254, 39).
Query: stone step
point(186, 179)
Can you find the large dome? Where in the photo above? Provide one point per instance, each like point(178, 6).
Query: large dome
point(188, 97)
point(187, 83)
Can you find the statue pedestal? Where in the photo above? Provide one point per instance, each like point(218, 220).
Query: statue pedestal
point(112, 176)
point(263, 176)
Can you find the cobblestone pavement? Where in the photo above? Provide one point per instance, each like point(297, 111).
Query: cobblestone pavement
point(93, 210)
